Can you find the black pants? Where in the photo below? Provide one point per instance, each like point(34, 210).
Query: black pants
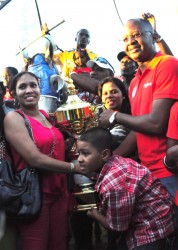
point(167, 243)
point(82, 229)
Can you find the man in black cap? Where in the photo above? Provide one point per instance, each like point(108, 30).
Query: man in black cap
point(128, 68)
point(88, 83)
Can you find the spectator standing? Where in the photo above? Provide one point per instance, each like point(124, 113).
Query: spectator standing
point(87, 84)
point(152, 93)
point(171, 158)
point(9, 102)
point(114, 97)
point(77, 58)
point(128, 68)
point(49, 230)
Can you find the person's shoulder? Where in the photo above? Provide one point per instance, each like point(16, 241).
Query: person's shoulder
point(69, 51)
point(12, 117)
point(11, 114)
point(91, 53)
point(169, 64)
point(166, 58)
point(131, 166)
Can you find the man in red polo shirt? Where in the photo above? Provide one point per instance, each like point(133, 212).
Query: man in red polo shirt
point(152, 93)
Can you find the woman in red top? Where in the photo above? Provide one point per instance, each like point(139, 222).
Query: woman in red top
point(45, 152)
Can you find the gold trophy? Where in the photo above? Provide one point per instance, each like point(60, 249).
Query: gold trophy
point(74, 117)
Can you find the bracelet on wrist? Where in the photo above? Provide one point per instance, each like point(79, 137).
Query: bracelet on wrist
point(167, 166)
point(72, 166)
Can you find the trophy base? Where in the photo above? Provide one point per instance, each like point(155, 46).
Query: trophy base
point(85, 200)
point(80, 208)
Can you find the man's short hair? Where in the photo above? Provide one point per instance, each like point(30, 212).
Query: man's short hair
point(100, 138)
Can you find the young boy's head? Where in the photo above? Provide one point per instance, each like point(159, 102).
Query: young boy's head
point(94, 147)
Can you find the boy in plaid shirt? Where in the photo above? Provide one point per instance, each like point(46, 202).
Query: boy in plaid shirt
point(134, 204)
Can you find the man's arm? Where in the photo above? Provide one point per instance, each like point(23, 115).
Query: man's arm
point(85, 83)
point(154, 123)
point(171, 158)
point(164, 48)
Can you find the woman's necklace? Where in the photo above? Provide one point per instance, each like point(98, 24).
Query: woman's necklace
point(50, 129)
point(52, 133)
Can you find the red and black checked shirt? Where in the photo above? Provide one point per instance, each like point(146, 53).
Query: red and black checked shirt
point(134, 202)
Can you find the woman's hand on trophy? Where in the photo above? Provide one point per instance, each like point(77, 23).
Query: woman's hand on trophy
point(75, 168)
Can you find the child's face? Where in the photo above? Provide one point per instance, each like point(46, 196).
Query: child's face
point(90, 159)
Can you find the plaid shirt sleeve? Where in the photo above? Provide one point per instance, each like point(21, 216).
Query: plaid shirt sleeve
point(134, 202)
point(118, 205)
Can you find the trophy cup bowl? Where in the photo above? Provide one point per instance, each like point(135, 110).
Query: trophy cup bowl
point(74, 117)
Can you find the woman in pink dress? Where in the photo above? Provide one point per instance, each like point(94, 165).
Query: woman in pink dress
point(46, 153)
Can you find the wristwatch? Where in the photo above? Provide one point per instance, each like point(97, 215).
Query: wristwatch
point(113, 117)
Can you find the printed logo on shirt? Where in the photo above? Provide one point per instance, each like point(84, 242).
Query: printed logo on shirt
point(134, 92)
point(148, 84)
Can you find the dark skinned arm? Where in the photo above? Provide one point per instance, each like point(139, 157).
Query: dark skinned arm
point(164, 48)
point(154, 123)
point(172, 155)
point(85, 83)
point(94, 213)
point(17, 135)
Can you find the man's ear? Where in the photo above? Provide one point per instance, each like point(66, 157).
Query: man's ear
point(106, 154)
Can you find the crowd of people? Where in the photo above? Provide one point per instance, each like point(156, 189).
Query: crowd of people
point(131, 155)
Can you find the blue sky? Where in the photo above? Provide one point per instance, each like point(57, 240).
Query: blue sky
point(20, 24)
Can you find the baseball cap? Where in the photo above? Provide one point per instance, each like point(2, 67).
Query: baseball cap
point(101, 62)
point(121, 55)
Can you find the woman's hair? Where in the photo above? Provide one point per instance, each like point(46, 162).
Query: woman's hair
point(125, 108)
point(15, 79)
point(12, 70)
point(100, 138)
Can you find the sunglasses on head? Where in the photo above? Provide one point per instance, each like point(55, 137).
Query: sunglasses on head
point(103, 60)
